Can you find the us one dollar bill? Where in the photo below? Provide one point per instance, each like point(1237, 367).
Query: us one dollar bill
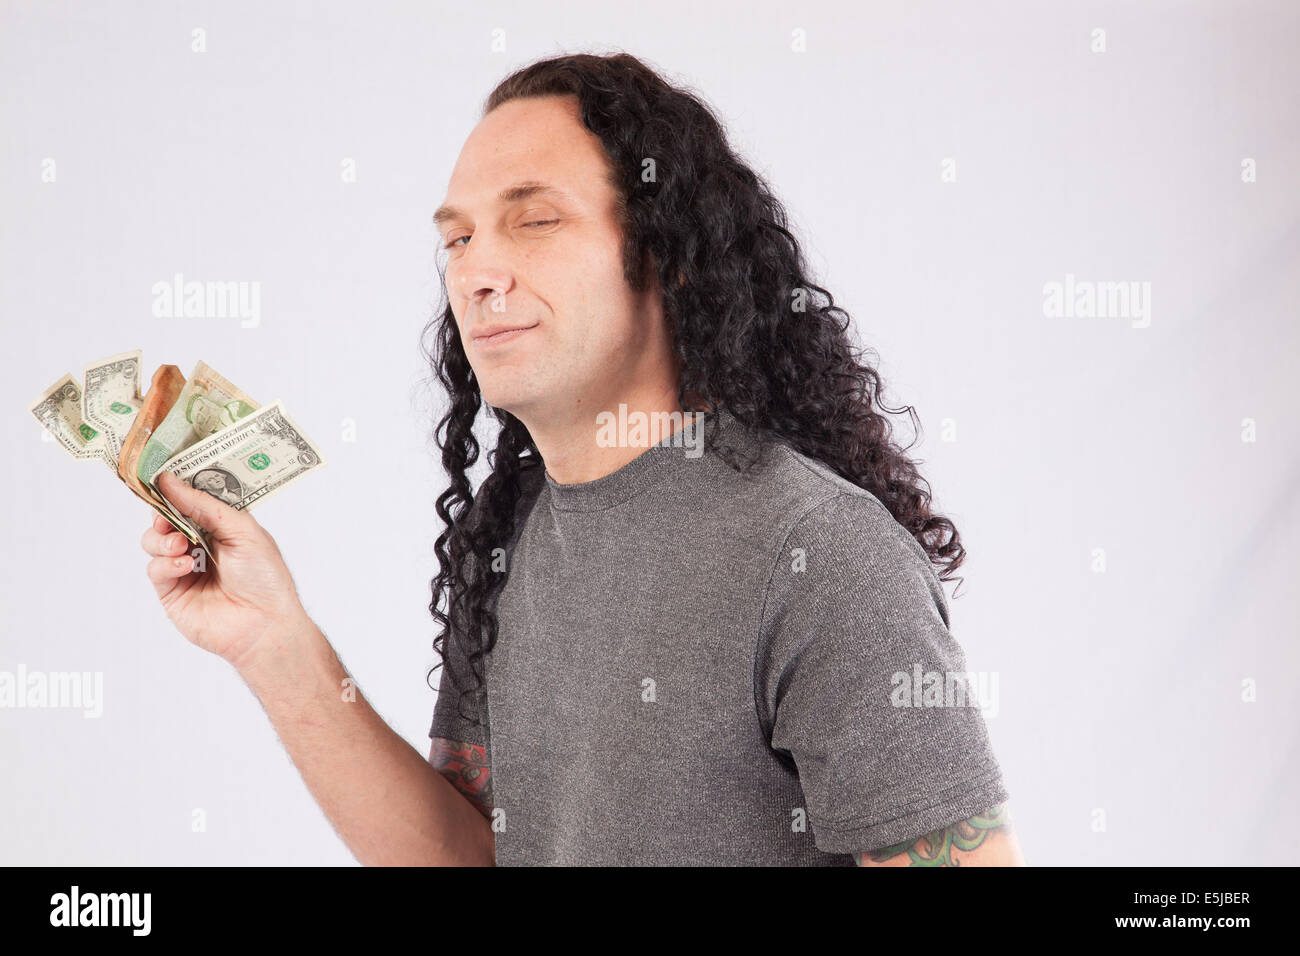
point(111, 398)
point(204, 429)
point(249, 461)
point(58, 409)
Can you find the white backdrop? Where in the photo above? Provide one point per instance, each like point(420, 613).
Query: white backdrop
point(1126, 485)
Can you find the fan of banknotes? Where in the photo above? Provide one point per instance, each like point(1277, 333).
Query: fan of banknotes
point(203, 429)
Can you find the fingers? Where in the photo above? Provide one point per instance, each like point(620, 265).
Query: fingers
point(167, 542)
point(164, 569)
point(168, 548)
point(207, 511)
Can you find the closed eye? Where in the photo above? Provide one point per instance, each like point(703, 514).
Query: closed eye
point(538, 222)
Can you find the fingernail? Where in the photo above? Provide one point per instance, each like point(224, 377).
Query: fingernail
point(178, 562)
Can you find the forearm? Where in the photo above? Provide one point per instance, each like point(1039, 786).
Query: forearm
point(384, 799)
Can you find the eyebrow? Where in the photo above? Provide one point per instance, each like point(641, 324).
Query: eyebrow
point(511, 194)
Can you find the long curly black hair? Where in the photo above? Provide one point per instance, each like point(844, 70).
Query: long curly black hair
point(753, 335)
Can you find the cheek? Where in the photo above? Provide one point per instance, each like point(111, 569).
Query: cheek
point(452, 278)
point(590, 273)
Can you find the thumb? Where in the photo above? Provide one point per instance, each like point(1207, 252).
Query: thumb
point(207, 511)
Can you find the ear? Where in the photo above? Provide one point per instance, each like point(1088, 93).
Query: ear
point(649, 262)
point(649, 269)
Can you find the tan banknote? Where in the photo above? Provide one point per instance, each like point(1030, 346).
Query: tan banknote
point(207, 404)
point(163, 391)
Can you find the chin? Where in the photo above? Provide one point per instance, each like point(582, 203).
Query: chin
point(504, 397)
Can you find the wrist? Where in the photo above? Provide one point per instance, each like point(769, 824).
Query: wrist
point(280, 654)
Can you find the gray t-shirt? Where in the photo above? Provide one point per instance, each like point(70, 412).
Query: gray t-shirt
point(700, 666)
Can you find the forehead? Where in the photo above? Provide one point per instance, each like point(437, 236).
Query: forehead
point(538, 139)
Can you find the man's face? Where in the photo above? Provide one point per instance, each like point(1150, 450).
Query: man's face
point(548, 260)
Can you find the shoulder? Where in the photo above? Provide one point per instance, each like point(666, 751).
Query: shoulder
point(852, 599)
point(808, 503)
point(841, 546)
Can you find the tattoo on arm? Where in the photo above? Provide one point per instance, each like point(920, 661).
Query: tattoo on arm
point(465, 766)
point(937, 848)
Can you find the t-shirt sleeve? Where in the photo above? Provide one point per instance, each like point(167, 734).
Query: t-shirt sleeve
point(453, 717)
point(853, 616)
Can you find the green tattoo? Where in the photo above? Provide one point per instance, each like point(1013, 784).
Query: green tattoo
point(935, 849)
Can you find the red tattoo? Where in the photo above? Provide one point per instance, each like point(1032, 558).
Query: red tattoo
point(465, 766)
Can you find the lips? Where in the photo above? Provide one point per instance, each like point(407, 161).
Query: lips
point(501, 333)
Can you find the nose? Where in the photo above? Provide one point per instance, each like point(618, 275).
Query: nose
point(480, 276)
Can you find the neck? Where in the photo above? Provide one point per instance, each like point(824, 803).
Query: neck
point(595, 439)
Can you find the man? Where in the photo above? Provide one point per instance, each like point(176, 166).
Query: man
point(691, 643)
